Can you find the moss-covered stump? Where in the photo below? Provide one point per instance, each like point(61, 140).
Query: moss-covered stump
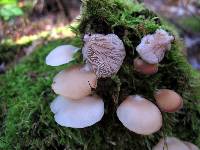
point(28, 123)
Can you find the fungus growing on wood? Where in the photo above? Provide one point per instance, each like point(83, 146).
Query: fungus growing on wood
point(77, 114)
point(104, 54)
point(168, 100)
point(74, 83)
point(139, 115)
point(142, 67)
point(61, 55)
point(153, 46)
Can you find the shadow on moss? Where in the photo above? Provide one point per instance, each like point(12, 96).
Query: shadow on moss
point(9, 51)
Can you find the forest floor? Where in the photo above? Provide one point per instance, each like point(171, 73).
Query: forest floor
point(20, 37)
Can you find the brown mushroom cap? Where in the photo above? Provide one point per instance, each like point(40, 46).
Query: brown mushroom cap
point(139, 115)
point(145, 68)
point(74, 83)
point(168, 100)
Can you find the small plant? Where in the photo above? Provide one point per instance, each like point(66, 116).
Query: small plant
point(9, 9)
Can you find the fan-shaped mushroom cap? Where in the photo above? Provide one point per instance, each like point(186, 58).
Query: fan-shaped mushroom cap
point(153, 46)
point(170, 143)
point(168, 100)
point(61, 55)
point(139, 115)
point(104, 53)
point(74, 83)
point(77, 114)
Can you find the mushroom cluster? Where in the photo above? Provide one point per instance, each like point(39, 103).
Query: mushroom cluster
point(152, 50)
point(142, 116)
point(78, 107)
point(153, 46)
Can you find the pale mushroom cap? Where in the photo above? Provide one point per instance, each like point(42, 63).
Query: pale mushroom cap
point(145, 68)
point(59, 104)
point(104, 53)
point(77, 114)
point(172, 144)
point(153, 46)
point(61, 55)
point(139, 115)
point(191, 146)
point(74, 83)
point(168, 100)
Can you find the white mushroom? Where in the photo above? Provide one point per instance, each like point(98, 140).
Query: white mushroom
point(74, 83)
point(153, 46)
point(191, 146)
point(170, 143)
point(139, 115)
point(61, 55)
point(77, 114)
point(104, 54)
point(168, 100)
point(59, 104)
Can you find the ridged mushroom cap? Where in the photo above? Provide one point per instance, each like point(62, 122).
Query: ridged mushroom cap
point(103, 53)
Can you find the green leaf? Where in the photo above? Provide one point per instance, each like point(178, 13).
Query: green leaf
point(4, 2)
point(9, 11)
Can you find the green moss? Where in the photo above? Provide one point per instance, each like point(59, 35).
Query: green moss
point(27, 122)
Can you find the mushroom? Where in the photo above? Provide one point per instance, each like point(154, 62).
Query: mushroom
point(170, 143)
point(139, 115)
point(61, 55)
point(191, 146)
point(153, 46)
point(59, 103)
point(145, 68)
point(104, 54)
point(168, 100)
point(77, 114)
point(74, 83)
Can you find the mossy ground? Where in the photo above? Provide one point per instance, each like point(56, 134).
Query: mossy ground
point(26, 119)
